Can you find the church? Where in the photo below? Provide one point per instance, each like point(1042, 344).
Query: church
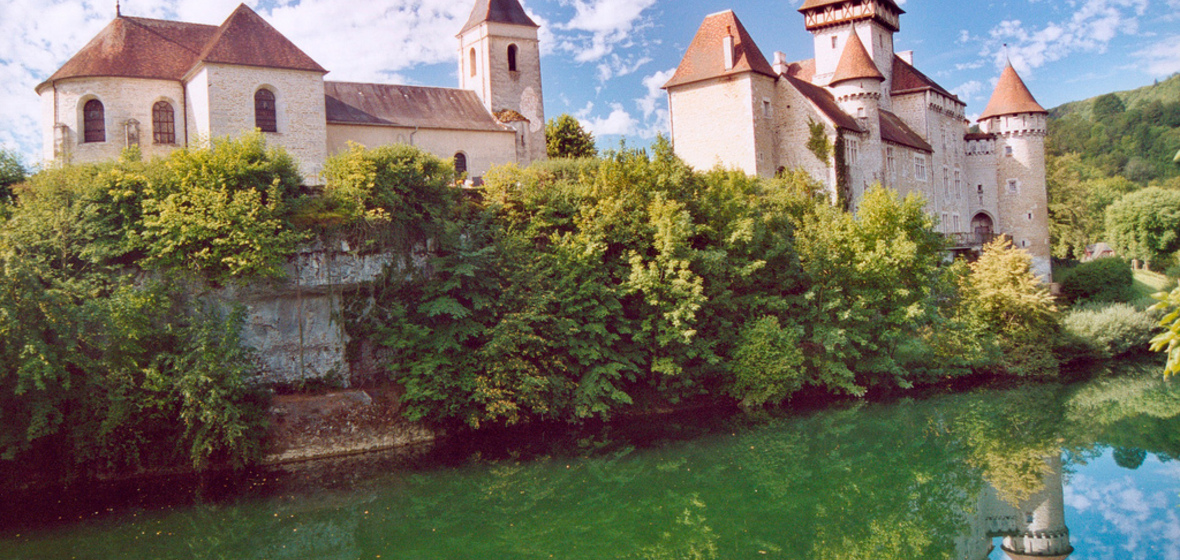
point(856, 114)
point(163, 85)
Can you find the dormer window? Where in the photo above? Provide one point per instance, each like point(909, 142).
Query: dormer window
point(512, 58)
point(94, 127)
point(264, 111)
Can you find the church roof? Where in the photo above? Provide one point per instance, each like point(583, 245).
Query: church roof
point(813, 4)
point(825, 102)
point(246, 39)
point(406, 106)
point(1011, 97)
point(133, 47)
point(855, 63)
point(498, 11)
point(895, 130)
point(907, 79)
point(704, 58)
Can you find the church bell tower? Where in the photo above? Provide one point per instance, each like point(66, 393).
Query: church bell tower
point(500, 60)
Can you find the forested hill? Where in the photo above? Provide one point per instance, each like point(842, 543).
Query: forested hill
point(1134, 134)
point(1103, 149)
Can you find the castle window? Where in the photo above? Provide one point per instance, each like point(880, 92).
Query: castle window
point(1007, 151)
point(1013, 186)
point(512, 58)
point(834, 41)
point(979, 189)
point(766, 109)
point(889, 164)
point(946, 182)
point(920, 167)
point(163, 123)
point(264, 111)
point(958, 184)
point(460, 163)
point(471, 61)
point(955, 218)
point(860, 112)
point(94, 127)
point(943, 224)
point(851, 152)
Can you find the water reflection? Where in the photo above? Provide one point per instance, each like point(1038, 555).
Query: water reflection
point(982, 475)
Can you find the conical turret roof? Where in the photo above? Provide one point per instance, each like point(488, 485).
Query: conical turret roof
point(705, 58)
point(498, 11)
point(1011, 97)
point(855, 63)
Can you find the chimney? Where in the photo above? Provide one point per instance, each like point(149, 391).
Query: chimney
point(727, 48)
point(780, 62)
point(907, 56)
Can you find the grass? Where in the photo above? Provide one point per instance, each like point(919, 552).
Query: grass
point(1148, 282)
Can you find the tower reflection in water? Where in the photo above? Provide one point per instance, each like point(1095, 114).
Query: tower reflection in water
point(1031, 527)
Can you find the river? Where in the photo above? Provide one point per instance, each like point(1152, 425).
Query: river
point(1084, 470)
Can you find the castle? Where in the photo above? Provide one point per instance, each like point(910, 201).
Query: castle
point(857, 114)
point(163, 85)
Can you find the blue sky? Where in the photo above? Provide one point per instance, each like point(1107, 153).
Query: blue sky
point(604, 60)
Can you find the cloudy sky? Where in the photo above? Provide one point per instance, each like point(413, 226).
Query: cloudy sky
point(605, 60)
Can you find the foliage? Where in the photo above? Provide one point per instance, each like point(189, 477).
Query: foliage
point(1079, 194)
point(818, 142)
point(1169, 341)
point(1100, 280)
point(1113, 329)
point(1145, 225)
point(12, 171)
point(767, 362)
point(565, 138)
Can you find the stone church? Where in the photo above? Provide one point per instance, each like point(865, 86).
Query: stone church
point(856, 114)
point(164, 85)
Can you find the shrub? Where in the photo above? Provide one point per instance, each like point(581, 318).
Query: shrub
point(1113, 329)
point(1101, 280)
point(767, 364)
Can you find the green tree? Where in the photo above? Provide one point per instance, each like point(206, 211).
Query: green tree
point(12, 171)
point(565, 138)
point(1107, 107)
point(1145, 225)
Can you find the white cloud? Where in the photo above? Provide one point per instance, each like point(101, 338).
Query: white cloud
point(615, 66)
point(969, 90)
point(619, 121)
point(1163, 57)
point(1094, 24)
point(1147, 527)
point(654, 104)
point(608, 23)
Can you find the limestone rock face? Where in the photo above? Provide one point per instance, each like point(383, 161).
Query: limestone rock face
point(296, 324)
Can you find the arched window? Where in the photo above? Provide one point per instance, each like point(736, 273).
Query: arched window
point(471, 61)
point(94, 128)
point(264, 111)
point(511, 58)
point(460, 163)
point(163, 123)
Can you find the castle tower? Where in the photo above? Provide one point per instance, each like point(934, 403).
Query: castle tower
point(1043, 534)
point(500, 60)
point(832, 23)
point(1019, 125)
point(856, 85)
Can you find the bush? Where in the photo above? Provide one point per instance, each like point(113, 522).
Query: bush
point(1101, 280)
point(1112, 329)
point(767, 364)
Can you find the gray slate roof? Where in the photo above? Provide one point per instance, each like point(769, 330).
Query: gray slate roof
point(407, 106)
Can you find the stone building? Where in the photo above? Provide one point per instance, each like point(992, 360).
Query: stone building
point(163, 85)
point(857, 114)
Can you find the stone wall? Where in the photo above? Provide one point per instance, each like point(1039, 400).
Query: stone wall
point(712, 123)
point(484, 149)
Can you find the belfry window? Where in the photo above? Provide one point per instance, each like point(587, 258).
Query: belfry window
point(471, 62)
point(94, 127)
point(512, 58)
point(163, 123)
point(264, 111)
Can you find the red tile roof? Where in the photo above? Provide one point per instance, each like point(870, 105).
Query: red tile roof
point(246, 39)
point(498, 11)
point(823, 100)
point(855, 63)
point(1011, 97)
point(907, 79)
point(407, 106)
point(132, 47)
point(704, 58)
point(895, 130)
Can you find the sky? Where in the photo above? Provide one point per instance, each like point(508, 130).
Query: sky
point(604, 61)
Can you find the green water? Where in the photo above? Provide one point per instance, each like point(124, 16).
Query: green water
point(914, 479)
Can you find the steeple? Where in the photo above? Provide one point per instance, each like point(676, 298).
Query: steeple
point(855, 63)
point(1011, 97)
point(498, 11)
